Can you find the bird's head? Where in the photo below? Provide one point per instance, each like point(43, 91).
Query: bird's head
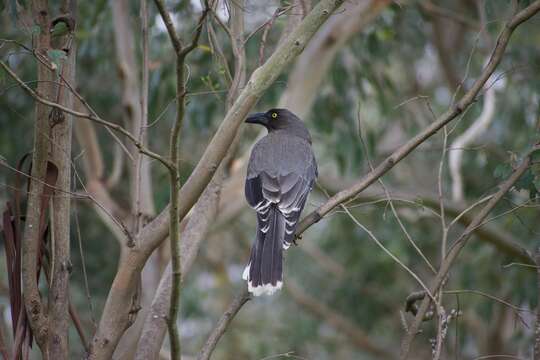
point(281, 119)
point(274, 119)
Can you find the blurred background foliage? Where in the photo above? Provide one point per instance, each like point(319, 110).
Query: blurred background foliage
point(387, 80)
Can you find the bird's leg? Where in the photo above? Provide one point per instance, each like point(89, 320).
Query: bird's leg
point(297, 237)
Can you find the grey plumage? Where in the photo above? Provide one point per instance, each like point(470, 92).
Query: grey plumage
point(280, 175)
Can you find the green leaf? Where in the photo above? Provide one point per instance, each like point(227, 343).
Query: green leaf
point(536, 183)
point(2, 6)
point(502, 171)
point(36, 30)
point(60, 29)
point(524, 181)
point(56, 56)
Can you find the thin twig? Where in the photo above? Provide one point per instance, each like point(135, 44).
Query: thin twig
point(388, 252)
point(174, 174)
point(92, 117)
point(222, 324)
point(141, 136)
point(456, 249)
point(389, 198)
point(453, 112)
point(267, 27)
point(83, 265)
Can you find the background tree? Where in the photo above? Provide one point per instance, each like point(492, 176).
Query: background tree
point(425, 117)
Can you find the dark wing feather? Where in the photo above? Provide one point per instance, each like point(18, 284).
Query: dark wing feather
point(253, 189)
point(281, 171)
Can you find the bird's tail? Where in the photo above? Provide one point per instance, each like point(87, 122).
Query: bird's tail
point(264, 273)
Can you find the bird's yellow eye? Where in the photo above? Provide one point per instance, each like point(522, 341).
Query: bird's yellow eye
point(274, 115)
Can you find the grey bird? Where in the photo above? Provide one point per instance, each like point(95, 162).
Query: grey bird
point(280, 175)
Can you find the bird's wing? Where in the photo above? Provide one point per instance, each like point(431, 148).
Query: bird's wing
point(287, 191)
point(281, 171)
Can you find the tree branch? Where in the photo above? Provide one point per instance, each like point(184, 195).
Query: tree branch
point(60, 154)
point(31, 236)
point(312, 66)
point(442, 120)
point(155, 325)
point(40, 99)
point(223, 324)
point(115, 317)
point(445, 118)
point(260, 80)
point(458, 245)
point(174, 174)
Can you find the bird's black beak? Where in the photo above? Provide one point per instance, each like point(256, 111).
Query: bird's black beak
point(257, 118)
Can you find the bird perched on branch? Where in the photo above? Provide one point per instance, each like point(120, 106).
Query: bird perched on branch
point(280, 175)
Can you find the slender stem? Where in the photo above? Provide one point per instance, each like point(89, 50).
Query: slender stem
point(222, 324)
point(174, 233)
point(90, 116)
point(144, 115)
point(174, 333)
point(31, 237)
point(455, 250)
point(454, 111)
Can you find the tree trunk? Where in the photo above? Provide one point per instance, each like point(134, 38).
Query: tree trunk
point(60, 155)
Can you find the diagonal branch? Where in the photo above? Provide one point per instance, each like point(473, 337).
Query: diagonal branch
point(398, 155)
point(40, 99)
point(455, 250)
point(260, 80)
point(223, 324)
point(442, 120)
point(115, 316)
point(202, 214)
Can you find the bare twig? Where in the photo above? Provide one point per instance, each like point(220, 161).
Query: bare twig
point(144, 115)
point(174, 175)
point(442, 120)
point(203, 212)
point(222, 324)
point(515, 308)
point(389, 198)
point(434, 9)
point(455, 250)
point(89, 116)
point(267, 27)
point(83, 265)
point(383, 248)
point(115, 316)
point(193, 235)
point(31, 236)
point(441, 318)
